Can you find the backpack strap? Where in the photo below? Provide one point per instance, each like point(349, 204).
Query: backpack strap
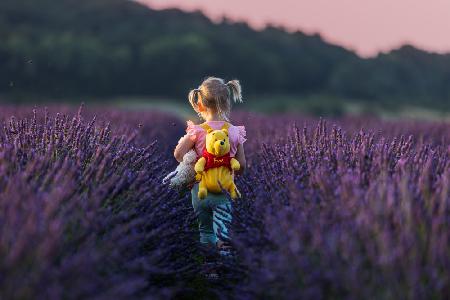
point(225, 125)
point(206, 127)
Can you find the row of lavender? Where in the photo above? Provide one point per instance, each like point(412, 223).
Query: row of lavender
point(334, 213)
point(82, 211)
point(327, 212)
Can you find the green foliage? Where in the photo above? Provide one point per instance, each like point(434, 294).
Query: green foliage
point(102, 48)
point(407, 73)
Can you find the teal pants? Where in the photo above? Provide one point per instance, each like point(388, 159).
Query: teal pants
point(214, 215)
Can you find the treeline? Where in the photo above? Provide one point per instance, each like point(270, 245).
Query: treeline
point(112, 47)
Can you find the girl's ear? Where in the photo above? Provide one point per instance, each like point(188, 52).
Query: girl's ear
point(201, 108)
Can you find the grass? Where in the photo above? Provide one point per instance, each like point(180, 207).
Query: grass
point(322, 105)
point(316, 105)
point(326, 105)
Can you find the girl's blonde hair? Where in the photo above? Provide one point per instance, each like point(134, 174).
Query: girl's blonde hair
point(216, 95)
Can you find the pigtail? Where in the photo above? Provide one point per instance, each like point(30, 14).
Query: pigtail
point(235, 90)
point(193, 98)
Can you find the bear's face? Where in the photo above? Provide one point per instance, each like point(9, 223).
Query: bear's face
point(217, 142)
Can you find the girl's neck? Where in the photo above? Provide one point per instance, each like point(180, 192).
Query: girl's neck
point(213, 117)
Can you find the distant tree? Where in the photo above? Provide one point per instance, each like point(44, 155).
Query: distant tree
point(110, 47)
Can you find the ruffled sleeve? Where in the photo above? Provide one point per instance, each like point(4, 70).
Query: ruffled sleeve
point(242, 134)
point(192, 130)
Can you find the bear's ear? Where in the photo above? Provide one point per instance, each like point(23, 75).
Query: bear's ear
point(209, 130)
point(226, 131)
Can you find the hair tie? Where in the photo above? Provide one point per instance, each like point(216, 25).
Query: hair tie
point(196, 92)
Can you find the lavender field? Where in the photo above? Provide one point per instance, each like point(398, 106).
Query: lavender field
point(350, 208)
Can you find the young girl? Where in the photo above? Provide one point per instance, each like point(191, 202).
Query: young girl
point(212, 101)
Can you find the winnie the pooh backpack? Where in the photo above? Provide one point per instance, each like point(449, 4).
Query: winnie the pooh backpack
point(214, 168)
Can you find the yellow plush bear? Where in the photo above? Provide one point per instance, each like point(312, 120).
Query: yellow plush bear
point(214, 168)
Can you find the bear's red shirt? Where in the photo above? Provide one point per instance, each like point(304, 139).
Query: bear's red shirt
point(213, 161)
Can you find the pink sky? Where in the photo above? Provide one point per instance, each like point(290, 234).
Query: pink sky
point(366, 26)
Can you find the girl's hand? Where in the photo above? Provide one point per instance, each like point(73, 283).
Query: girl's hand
point(240, 157)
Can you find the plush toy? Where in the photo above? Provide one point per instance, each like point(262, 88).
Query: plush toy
point(214, 168)
point(184, 174)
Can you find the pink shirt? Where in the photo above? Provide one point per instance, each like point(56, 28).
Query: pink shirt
point(197, 134)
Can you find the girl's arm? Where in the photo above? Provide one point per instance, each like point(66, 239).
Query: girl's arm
point(240, 156)
point(184, 145)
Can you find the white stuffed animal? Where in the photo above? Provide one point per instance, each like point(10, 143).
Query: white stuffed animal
point(184, 174)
